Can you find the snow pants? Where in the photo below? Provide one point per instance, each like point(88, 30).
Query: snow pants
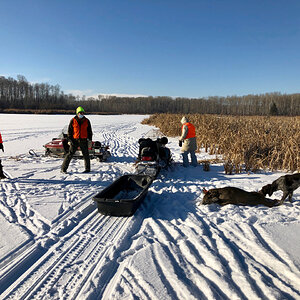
point(186, 160)
point(83, 144)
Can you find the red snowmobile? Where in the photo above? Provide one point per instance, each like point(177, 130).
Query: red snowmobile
point(59, 147)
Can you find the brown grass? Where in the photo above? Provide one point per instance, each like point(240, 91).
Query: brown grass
point(245, 143)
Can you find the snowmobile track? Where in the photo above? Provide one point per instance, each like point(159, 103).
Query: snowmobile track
point(85, 246)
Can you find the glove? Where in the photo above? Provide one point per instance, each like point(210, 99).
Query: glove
point(180, 143)
point(1, 147)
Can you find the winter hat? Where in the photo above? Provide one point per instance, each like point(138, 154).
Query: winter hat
point(184, 120)
point(79, 109)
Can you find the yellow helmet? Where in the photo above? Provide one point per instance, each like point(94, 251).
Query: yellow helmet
point(79, 109)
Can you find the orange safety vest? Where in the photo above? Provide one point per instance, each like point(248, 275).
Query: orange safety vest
point(80, 130)
point(0, 139)
point(191, 130)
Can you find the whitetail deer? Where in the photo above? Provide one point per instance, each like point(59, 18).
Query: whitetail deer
point(233, 195)
point(287, 183)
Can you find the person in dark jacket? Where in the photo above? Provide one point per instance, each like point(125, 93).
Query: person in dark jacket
point(79, 133)
point(2, 176)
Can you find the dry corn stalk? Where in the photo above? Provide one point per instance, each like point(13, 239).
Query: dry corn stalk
point(249, 143)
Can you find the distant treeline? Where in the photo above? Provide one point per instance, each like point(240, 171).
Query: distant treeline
point(21, 95)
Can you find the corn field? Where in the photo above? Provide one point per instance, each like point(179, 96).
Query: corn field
point(245, 143)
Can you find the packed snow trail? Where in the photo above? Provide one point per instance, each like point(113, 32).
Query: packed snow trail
point(67, 265)
point(201, 246)
point(55, 245)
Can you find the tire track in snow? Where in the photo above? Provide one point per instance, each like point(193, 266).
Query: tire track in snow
point(83, 247)
point(121, 144)
point(42, 233)
point(18, 210)
point(102, 282)
point(245, 255)
point(60, 226)
point(221, 261)
point(28, 134)
point(19, 260)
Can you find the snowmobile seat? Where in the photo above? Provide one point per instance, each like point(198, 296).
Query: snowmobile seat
point(148, 149)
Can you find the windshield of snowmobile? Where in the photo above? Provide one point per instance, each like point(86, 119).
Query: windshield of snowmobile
point(64, 132)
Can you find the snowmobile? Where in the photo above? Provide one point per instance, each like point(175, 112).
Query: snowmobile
point(153, 156)
point(59, 147)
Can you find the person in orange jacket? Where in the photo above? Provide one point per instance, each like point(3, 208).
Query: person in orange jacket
point(188, 143)
point(79, 132)
point(2, 176)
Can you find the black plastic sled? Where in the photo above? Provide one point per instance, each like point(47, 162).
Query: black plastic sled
point(124, 195)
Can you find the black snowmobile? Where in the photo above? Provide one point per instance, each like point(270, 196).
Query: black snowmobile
point(153, 156)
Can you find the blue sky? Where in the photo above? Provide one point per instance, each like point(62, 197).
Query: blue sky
point(161, 48)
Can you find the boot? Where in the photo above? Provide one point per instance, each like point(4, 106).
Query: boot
point(2, 176)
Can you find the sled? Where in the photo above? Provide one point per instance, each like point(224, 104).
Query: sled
point(59, 147)
point(124, 195)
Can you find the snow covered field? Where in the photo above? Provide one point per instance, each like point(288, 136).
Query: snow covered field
point(55, 245)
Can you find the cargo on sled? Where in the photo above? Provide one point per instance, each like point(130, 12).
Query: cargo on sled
point(153, 156)
point(124, 195)
point(59, 147)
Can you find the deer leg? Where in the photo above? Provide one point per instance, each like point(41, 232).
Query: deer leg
point(290, 196)
point(285, 194)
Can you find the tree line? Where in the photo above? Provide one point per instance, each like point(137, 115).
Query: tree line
point(21, 94)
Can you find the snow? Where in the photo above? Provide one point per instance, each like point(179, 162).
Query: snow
point(56, 245)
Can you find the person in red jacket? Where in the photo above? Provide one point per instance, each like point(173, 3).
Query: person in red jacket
point(79, 132)
point(2, 176)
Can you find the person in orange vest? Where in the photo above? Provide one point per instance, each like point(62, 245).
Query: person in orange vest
point(2, 176)
point(79, 132)
point(188, 142)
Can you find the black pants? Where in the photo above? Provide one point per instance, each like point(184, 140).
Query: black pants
point(2, 176)
point(83, 144)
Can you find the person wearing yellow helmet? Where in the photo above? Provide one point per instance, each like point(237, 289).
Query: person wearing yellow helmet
point(79, 109)
point(79, 132)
